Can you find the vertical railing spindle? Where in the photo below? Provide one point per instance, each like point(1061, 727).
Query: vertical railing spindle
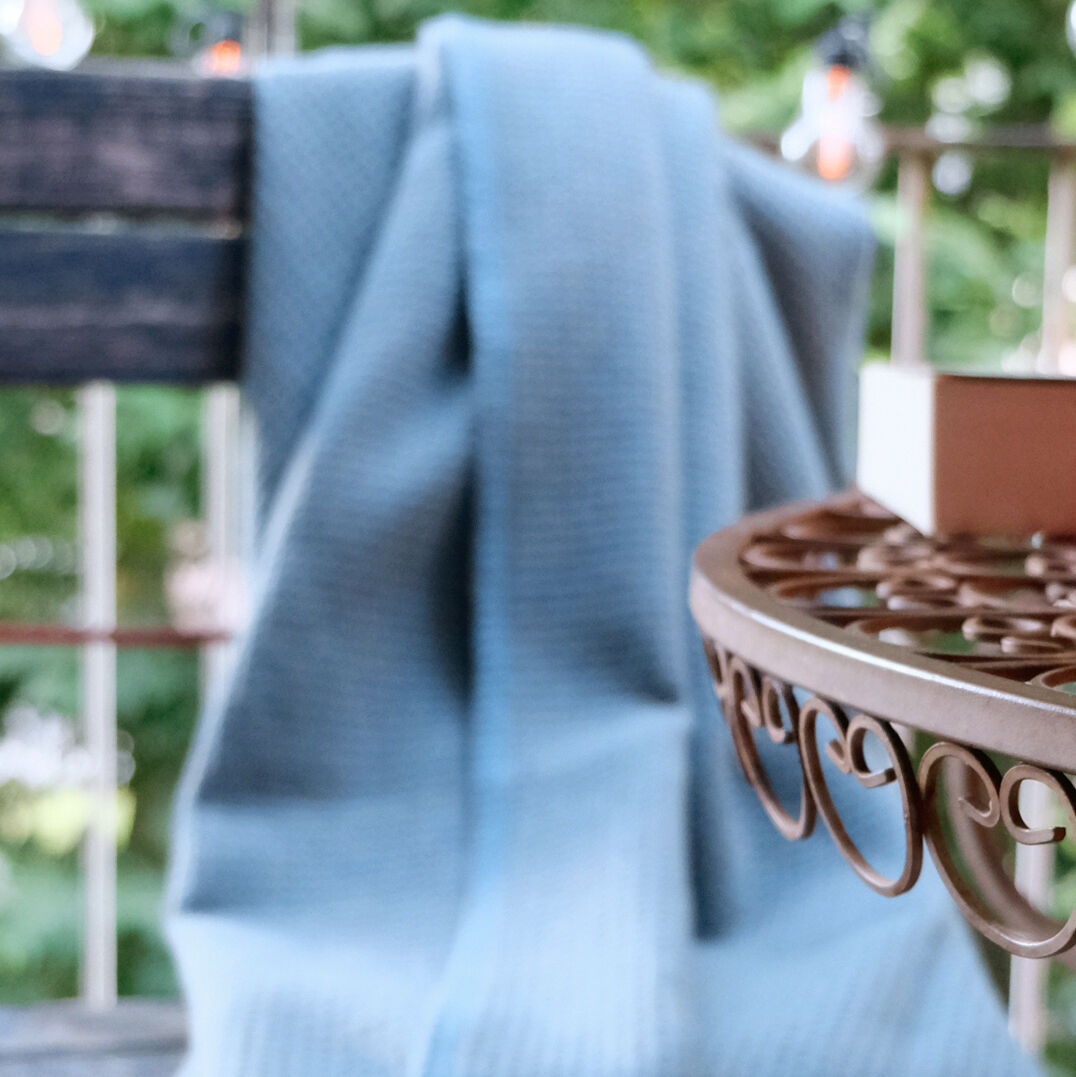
point(273, 28)
point(1033, 875)
point(909, 269)
point(98, 526)
point(1060, 223)
point(220, 454)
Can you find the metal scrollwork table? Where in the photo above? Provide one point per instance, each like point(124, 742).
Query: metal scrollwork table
point(957, 656)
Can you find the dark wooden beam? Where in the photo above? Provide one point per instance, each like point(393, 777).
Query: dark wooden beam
point(140, 304)
point(124, 142)
point(123, 195)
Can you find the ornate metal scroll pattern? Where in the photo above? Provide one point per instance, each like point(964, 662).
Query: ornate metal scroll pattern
point(993, 799)
point(751, 703)
point(848, 754)
point(754, 702)
point(979, 799)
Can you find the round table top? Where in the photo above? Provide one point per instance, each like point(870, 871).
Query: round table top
point(845, 598)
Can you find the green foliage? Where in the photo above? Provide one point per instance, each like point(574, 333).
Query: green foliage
point(39, 929)
point(158, 472)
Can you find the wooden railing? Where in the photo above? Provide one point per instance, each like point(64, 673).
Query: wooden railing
point(916, 153)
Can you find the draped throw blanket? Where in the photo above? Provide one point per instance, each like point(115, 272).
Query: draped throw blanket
point(523, 328)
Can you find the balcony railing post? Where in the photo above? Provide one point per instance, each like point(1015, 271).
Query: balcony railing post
point(273, 28)
point(909, 268)
point(98, 524)
point(221, 499)
point(1033, 876)
point(1060, 223)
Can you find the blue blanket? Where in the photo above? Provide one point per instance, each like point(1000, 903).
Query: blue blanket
point(524, 327)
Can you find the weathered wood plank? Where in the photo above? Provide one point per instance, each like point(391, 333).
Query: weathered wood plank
point(141, 304)
point(124, 142)
point(140, 1038)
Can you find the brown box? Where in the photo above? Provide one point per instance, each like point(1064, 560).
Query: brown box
point(968, 453)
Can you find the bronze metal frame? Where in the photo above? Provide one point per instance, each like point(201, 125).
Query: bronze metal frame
point(971, 643)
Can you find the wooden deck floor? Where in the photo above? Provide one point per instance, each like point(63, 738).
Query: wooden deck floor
point(141, 1038)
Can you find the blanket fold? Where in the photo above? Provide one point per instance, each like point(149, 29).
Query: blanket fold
point(523, 328)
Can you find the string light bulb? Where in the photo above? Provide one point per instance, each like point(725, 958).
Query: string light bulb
point(223, 58)
point(213, 43)
point(835, 134)
point(55, 34)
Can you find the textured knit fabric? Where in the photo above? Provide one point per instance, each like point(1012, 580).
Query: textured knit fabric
point(524, 327)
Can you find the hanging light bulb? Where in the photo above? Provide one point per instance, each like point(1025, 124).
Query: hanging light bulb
point(835, 135)
point(222, 58)
point(1070, 25)
point(212, 43)
point(45, 33)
